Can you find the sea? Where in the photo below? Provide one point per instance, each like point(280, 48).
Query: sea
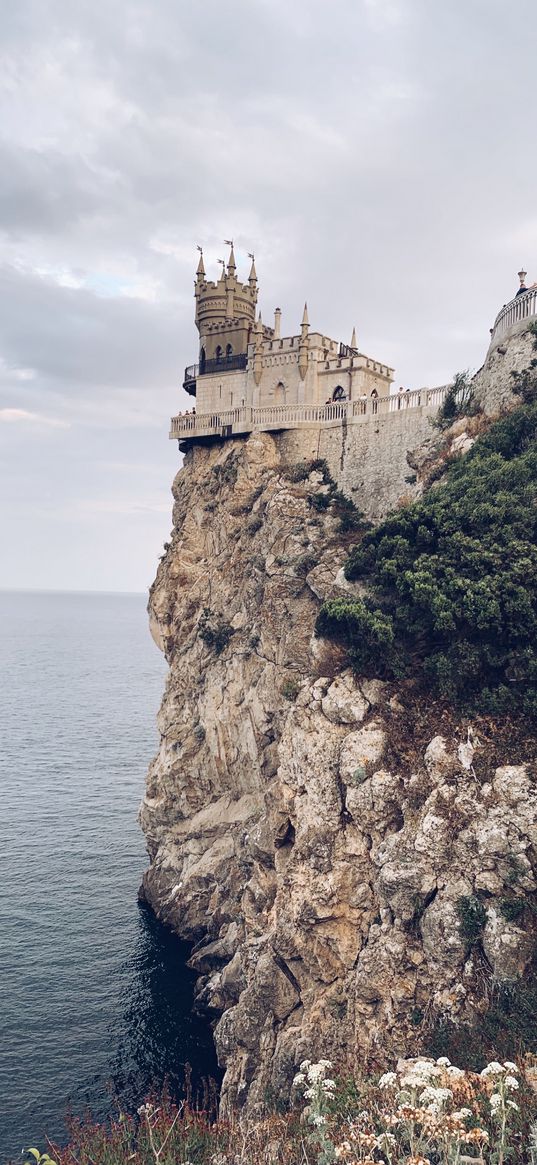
point(95, 994)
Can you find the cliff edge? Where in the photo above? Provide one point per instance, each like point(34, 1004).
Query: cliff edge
point(326, 843)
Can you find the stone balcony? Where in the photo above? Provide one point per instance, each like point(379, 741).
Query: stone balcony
point(188, 426)
point(514, 317)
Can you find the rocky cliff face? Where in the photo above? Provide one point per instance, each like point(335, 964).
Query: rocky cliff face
point(321, 840)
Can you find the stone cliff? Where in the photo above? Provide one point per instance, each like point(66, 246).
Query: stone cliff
point(319, 839)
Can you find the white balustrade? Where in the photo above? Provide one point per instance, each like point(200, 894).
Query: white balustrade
point(245, 419)
point(520, 309)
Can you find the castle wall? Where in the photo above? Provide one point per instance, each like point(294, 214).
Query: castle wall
point(367, 460)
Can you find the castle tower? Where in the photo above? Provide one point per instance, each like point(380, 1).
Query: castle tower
point(225, 314)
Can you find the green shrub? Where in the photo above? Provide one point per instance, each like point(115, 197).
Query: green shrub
point(452, 579)
point(472, 919)
point(304, 564)
point(368, 634)
point(214, 630)
point(459, 401)
point(319, 501)
point(290, 689)
point(511, 908)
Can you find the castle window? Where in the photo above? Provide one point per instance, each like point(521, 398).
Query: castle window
point(218, 353)
point(229, 350)
point(339, 393)
point(202, 360)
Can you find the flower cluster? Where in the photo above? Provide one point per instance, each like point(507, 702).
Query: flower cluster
point(423, 1111)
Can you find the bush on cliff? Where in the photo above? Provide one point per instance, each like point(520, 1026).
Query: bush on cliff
point(452, 578)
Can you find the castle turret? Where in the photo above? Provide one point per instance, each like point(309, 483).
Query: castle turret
point(225, 312)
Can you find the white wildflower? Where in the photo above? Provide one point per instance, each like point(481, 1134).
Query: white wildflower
point(318, 1120)
point(462, 1113)
point(299, 1078)
point(511, 1104)
point(412, 1081)
point(388, 1080)
point(432, 1095)
point(386, 1139)
point(495, 1101)
point(309, 1094)
point(511, 1067)
point(511, 1083)
point(443, 1062)
point(455, 1073)
point(492, 1069)
point(329, 1085)
point(305, 1065)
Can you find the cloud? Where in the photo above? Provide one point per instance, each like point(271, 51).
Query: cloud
point(22, 416)
point(372, 153)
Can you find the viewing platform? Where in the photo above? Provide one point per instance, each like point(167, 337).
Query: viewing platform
point(227, 423)
point(514, 317)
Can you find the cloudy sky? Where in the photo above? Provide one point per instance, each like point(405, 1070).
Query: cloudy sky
point(377, 155)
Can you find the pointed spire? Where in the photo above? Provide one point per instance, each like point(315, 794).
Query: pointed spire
point(305, 320)
point(353, 338)
point(231, 264)
point(200, 271)
point(252, 278)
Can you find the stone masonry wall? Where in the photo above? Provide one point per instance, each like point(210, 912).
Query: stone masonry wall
point(369, 460)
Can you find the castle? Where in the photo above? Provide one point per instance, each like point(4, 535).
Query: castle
point(249, 377)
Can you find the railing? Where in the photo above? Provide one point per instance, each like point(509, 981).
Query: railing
point(245, 419)
point(225, 364)
point(189, 379)
point(517, 311)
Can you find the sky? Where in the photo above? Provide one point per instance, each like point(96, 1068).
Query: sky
point(376, 155)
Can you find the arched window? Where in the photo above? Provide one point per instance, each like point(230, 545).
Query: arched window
point(202, 360)
point(218, 353)
point(229, 350)
point(339, 393)
point(279, 393)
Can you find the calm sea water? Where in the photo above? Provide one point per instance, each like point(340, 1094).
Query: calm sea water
point(94, 994)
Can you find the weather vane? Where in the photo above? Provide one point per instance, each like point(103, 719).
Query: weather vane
point(251, 255)
point(223, 262)
point(228, 242)
point(200, 249)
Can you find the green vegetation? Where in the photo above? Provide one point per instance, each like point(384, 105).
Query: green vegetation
point(214, 630)
point(452, 578)
point(512, 908)
point(472, 919)
point(459, 401)
point(290, 689)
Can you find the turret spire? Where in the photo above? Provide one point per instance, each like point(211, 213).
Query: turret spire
point(353, 338)
point(200, 271)
point(252, 278)
point(303, 344)
point(231, 264)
